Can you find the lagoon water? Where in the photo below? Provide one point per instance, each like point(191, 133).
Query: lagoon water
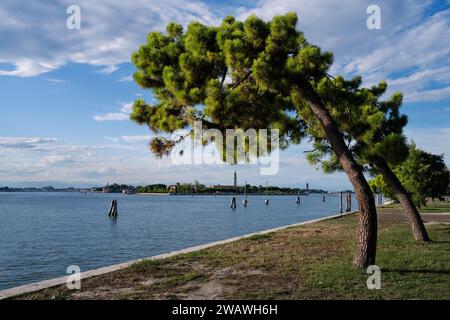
point(41, 234)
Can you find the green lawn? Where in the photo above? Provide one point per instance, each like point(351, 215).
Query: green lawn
point(436, 207)
point(306, 262)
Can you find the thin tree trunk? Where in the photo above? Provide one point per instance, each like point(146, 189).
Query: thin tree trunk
point(410, 210)
point(367, 232)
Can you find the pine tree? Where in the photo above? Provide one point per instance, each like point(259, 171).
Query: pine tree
point(251, 74)
point(373, 130)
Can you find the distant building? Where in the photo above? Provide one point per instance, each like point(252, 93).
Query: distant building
point(227, 187)
point(107, 189)
point(172, 188)
point(129, 191)
point(48, 189)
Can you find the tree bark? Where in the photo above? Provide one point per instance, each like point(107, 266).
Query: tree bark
point(367, 232)
point(417, 227)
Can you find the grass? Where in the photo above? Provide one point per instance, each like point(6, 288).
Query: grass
point(436, 207)
point(306, 262)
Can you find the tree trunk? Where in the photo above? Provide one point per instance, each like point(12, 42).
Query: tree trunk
point(410, 210)
point(367, 232)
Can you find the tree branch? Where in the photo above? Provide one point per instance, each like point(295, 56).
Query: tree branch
point(242, 80)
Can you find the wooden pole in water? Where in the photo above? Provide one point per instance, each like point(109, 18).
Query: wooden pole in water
point(113, 209)
point(245, 202)
point(346, 202)
point(349, 202)
point(233, 203)
point(340, 201)
point(267, 195)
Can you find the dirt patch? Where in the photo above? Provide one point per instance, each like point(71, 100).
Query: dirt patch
point(100, 293)
point(211, 290)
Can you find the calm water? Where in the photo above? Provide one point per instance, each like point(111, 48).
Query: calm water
point(41, 234)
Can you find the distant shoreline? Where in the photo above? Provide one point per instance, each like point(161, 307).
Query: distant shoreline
point(147, 194)
point(182, 194)
point(223, 194)
point(238, 194)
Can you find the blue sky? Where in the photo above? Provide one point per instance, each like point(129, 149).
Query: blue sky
point(65, 94)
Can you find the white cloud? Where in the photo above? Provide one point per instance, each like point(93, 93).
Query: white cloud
point(429, 95)
point(75, 164)
point(26, 142)
point(407, 44)
point(101, 172)
point(136, 138)
point(419, 78)
point(340, 26)
point(412, 54)
point(129, 138)
point(110, 31)
point(419, 53)
point(434, 140)
point(112, 116)
point(127, 107)
point(41, 159)
point(8, 21)
point(109, 70)
point(126, 79)
point(57, 159)
point(25, 67)
point(123, 114)
point(55, 81)
point(112, 139)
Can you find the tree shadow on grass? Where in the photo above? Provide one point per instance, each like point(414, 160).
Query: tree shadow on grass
point(445, 272)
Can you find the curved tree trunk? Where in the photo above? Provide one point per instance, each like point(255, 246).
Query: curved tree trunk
point(413, 216)
point(367, 232)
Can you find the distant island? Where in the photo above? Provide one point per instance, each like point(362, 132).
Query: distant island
point(175, 189)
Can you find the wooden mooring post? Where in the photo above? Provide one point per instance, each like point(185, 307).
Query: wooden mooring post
point(233, 203)
point(245, 201)
point(340, 202)
point(113, 209)
point(348, 202)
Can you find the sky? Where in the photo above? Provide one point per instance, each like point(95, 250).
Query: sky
point(66, 95)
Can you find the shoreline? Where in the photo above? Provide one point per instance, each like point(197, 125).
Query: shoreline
point(178, 194)
point(236, 194)
point(54, 282)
